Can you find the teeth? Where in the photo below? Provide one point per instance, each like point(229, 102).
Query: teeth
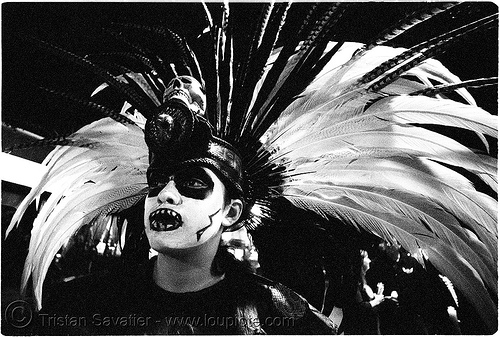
point(177, 93)
point(165, 220)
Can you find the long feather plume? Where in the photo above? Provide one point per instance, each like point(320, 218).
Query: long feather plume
point(129, 94)
point(107, 186)
point(370, 165)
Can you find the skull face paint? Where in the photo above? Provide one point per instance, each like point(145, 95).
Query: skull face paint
point(184, 210)
point(188, 90)
point(193, 182)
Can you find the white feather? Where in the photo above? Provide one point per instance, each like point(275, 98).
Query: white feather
point(103, 172)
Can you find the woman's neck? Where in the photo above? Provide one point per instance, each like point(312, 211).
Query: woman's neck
point(186, 270)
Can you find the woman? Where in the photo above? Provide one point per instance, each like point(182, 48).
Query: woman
point(361, 315)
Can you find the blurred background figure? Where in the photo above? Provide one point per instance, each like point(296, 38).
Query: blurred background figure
point(418, 300)
point(361, 315)
point(240, 244)
point(383, 269)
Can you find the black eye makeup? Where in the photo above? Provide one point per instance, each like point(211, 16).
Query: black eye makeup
point(156, 182)
point(193, 182)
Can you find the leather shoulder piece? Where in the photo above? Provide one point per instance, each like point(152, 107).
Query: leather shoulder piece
point(288, 302)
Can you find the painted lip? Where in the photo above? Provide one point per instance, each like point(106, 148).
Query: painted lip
point(165, 220)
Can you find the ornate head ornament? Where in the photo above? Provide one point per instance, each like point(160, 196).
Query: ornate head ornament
point(188, 90)
point(179, 135)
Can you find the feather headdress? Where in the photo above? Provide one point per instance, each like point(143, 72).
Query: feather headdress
point(350, 131)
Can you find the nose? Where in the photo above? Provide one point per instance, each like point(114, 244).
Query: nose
point(169, 194)
point(177, 83)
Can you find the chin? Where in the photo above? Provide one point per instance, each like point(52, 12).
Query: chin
point(165, 241)
point(170, 242)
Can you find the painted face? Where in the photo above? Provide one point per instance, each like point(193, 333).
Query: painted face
point(185, 209)
point(366, 262)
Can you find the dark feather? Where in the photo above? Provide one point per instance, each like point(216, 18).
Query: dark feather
point(445, 88)
point(136, 98)
point(419, 53)
point(412, 20)
point(91, 105)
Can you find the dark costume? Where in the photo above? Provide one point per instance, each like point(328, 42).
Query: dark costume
point(360, 318)
point(127, 301)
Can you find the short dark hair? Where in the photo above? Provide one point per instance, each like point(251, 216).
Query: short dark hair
point(232, 193)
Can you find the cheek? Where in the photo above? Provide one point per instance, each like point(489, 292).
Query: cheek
point(206, 216)
point(209, 206)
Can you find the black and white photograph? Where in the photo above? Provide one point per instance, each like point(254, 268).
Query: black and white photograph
point(222, 168)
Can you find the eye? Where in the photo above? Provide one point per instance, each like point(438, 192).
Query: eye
point(156, 182)
point(195, 183)
point(155, 188)
point(154, 191)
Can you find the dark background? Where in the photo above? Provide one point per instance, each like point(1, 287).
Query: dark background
point(77, 28)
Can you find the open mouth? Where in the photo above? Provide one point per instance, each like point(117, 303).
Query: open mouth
point(164, 220)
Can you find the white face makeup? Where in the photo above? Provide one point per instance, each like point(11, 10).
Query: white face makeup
point(366, 262)
point(186, 210)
